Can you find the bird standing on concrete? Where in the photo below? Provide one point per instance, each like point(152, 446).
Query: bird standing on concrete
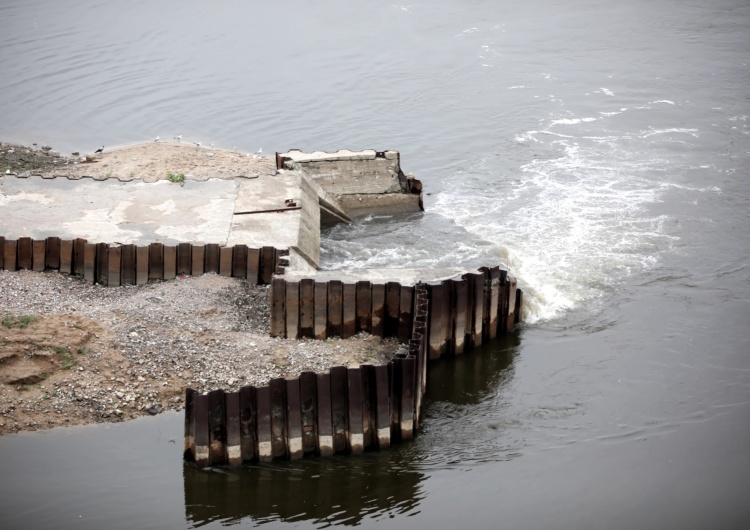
point(99, 150)
point(258, 153)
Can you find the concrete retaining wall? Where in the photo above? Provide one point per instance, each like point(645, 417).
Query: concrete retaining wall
point(116, 265)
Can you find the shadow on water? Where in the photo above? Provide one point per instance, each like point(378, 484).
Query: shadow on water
point(323, 491)
point(347, 490)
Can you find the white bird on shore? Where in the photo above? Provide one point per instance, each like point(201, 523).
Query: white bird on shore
point(258, 153)
point(178, 137)
point(156, 139)
point(198, 144)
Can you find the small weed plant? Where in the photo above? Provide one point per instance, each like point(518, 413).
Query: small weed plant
point(11, 322)
point(176, 179)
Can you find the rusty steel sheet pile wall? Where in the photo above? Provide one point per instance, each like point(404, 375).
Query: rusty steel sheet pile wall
point(349, 410)
point(115, 265)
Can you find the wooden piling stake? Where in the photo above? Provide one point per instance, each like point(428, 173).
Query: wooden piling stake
point(512, 285)
point(394, 377)
point(320, 308)
point(477, 280)
point(494, 278)
point(78, 244)
point(519, 303)
point(188, 452)
point(459, 309)
point(294, 419)
point(406, 414)
point(349, 303)
point(239, 261)
point(392, 300)
point(364, 307)
point(325, 414)
point(217, 428)
point(233, 426)
point(369, 439)
point(10, 253)
point(436, 324)
point(102, 263)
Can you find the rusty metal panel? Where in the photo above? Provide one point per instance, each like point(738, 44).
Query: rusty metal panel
point(306, 307)
point(308, 411)
point(477, 287)
point(339, 414)
point(268, 264)
point(320, 304)
point(408, 384)
point(52, 259)
point(512, 285)
point(217, 428)
point(502, 310)
point(141, 265)
point(188, 451)
point(325, 414)
point(382, 407)
point(405, 312)
point(265, 447)
point(38, 251)
point(460, 288)
point(170, 262)
point(155, 261)
point(294, 419)
point(394, 382)
point(2, 252)
point(234, 438)
point(378, 310)
point(436, 323)
point(278, 417)
point(113, 266)
point(24, 253)
point(197, 260)
point(335, 309)
point(66, 256)
point(355, 440)
point(89, 263)
point(448, 317)
point(494, 301)
point(225, 260)
point(78, 256)
point(212, 258)
point(367, 373)
point(364, 307)
point(248, 424)
point(519, 304)
point(239, 261)
point(253, 266)
point(102, 263)
point(291, 307)
point(184, 258)
point(200, 411)
point(349, 304)
point(278, 308)
point(128, 265)
point(392, 300)
point(10, 254)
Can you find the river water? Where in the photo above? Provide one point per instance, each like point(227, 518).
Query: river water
point(599, 150)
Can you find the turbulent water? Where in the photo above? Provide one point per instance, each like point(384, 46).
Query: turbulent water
point(599, 150)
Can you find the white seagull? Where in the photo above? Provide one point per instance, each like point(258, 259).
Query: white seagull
point(156, 139)
point(258, 153)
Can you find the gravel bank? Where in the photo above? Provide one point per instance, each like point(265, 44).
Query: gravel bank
point(73, 353)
